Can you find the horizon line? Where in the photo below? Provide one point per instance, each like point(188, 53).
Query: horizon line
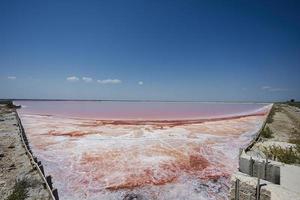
point(134, 100)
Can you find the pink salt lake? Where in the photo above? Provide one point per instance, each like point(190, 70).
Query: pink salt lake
point(152, 150)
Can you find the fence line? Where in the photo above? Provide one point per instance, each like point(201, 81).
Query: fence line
point(33, 160)
point(255, 139)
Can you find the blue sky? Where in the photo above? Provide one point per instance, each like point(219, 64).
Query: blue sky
point(155, 50)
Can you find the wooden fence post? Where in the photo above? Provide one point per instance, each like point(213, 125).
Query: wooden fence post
point(55, 194)
point(237, 189)
point(49, 181)
point(258, 189)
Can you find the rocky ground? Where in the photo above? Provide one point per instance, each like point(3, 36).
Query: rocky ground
point(18, 179)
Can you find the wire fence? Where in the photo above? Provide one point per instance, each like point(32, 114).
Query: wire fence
point(35, 162)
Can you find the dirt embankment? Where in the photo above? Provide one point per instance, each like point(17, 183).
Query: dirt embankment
point(280, 138)
point(18, 179)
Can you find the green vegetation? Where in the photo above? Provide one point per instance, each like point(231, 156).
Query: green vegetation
point(294, 103)
point(266, 132)
point(20, 191)
point(4, 101)
point(295, 141)
point(9, 104)
point(295, 138)
point(271, 115)
point(275, 108)
point(288, 155)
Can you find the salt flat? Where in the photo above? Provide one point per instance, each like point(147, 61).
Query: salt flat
point(92, 159)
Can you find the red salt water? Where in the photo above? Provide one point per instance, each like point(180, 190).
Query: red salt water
point(153, 150)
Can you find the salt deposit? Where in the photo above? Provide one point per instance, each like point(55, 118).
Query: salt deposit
point(100, 159)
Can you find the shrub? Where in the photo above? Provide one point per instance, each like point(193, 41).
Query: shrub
point(288, 155)
point(295, 141)
point(266, 132)
point(295, 103)
point(10, 104)
point(19, 191)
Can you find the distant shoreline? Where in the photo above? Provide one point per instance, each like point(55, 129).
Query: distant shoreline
point(167, 122)
point(131, 100)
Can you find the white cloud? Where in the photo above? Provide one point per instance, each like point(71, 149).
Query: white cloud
point(278, 89)
point(11, 77)
point(109, 81)
point(72, 78)
point(265, 87)
point(140, 82)
point(87, 79)
point(272, 89)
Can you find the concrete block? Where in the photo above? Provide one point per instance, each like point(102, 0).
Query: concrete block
point(244, 165)
point(290, 177)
